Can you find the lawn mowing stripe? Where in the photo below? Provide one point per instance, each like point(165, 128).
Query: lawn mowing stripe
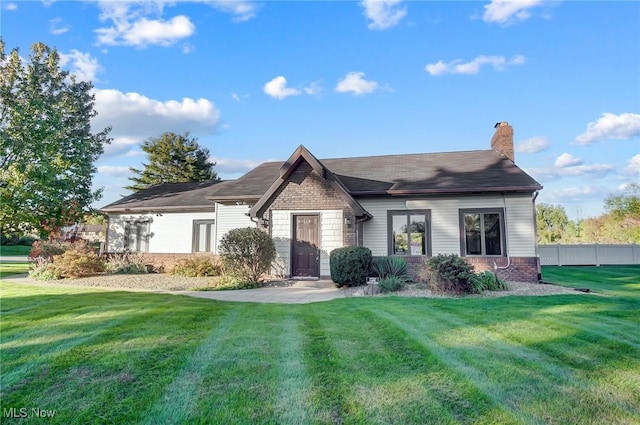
point(322, 361)
point(543, 391)
point(180, 396)
point(447, 397)
point(294, 383)
point(481, 381)
point(48, 353)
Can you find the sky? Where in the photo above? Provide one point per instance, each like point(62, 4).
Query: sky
point(253, 80)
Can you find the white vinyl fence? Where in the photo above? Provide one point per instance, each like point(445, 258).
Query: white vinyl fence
point(588, 255)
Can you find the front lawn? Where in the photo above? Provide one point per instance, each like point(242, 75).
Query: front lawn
point(120, 358)
point(10, 268)
point(14, 250)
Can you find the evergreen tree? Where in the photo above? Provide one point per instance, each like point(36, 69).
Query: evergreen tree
point(173, 158)
point(47, 150)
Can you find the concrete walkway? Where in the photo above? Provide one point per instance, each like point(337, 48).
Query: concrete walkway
point(13, 259)
point(300, 292)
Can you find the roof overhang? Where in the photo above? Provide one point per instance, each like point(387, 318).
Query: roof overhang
point(301, 154)
point(150, 210)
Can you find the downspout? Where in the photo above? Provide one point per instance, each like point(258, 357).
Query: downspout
point(506, 241)
point(535, 232)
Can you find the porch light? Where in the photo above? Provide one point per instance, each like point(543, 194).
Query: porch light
point(265, 222)
point(347, 221)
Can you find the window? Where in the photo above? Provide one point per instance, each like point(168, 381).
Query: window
point(482, 232)
point(136, 235)
point(203, 235)
point(409, 232)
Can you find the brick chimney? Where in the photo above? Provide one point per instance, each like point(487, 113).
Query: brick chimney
point(502, 140)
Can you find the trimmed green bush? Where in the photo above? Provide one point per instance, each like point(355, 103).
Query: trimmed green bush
point(26, 240)
point(246, 254)
point(451, 273)
point(391, 284)
point(390, 266)
point(197, 267)
point(350, 265)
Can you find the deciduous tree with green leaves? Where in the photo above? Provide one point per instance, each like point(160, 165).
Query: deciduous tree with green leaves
point(47, 149)
point(553, 223)
point(173, 158)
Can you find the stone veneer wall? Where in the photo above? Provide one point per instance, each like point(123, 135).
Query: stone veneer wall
point(305, 190)
point(521, 269)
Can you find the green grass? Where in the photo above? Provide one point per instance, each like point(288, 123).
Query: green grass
point(12, 250)
point(7, 269)
point(120, 358)
point(611, 280)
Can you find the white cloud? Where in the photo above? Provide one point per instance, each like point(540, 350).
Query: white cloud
point(355, 83)
point(144, 32)
point(573, 194)
point(507, 12)
point(10, 6)
point(114, 170)
point(140, 23)
point(592, 170)
point(241, 10)
point(233, 165)
point(135, 117)
point(56, 27)
point(82, 65)
point(611, 126)
point(582, 170)
point(567, 160)
point(313, 89)
point(383, 14)
point(277, 88)
point(633, 167)
point(499, 63)
point(533, 145)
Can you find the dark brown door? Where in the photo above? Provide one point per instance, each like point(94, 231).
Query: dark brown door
point(305, 254)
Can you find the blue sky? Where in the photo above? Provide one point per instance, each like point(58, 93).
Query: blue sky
point(253, 80)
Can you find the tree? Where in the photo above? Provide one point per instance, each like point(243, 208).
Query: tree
point(173, 158)
point(47, 149)
point(624, 214)
point(553, 223)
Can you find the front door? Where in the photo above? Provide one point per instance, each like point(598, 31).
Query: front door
point(305, 255)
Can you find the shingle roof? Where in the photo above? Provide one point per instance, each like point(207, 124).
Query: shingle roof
point(407, 174)
point(167, 196)
point(449, 172)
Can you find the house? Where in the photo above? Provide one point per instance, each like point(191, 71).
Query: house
point(477, 204)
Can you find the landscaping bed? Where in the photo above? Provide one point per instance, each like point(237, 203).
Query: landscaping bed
point(156, 281)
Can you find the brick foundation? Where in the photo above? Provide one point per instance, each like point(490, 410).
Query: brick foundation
point(521, 269)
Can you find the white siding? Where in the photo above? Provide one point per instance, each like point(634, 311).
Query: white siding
point(170, 233)
point(445, 226)
point(229, 217)
point(330, 236)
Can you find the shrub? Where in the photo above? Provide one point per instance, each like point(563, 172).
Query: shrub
point(451, 273)
point(26, 240)
point(226, 283)
point(42, 269)
point(389, 266)
point(391, 284)
point(74, 264)
point(487, 281)
point(49, 249)
point(350, 265)
point(126, 263)
point(197, 267)
point(247, 254)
